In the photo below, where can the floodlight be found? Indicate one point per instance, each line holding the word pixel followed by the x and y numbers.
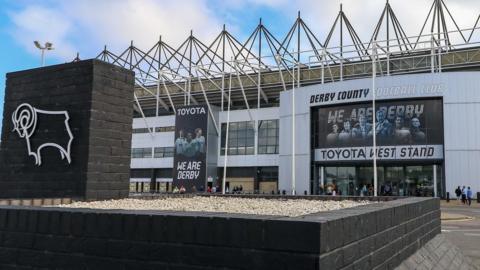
pixel 48 46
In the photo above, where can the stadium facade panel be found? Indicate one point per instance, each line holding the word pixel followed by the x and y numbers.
pixel 426 126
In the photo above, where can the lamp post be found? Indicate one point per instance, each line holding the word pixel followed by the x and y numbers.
pixel 374 77
pixel 46 47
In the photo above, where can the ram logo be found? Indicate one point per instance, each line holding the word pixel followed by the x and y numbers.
pixel 25 119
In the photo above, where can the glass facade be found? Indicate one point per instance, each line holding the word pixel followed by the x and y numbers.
pixel 267 174
pixel 141 152
pixel 158 152
pixel 340 179
pixel 414 180
pixel 150 180
pixel 241 138
pixel 139 130
pixel 165 129
pixel 268 137
pixel 157 129
pixel 163 152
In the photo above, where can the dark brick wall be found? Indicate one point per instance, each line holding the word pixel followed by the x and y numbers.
pixel 98 99
pixel 377 236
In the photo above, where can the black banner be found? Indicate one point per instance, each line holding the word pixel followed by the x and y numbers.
pixel 189 165
pixel 403 122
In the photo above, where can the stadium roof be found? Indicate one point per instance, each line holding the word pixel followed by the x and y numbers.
pixel 258 69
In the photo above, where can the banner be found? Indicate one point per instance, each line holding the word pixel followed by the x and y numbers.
pixel 189 167
pixel 383 153
pixel 413 129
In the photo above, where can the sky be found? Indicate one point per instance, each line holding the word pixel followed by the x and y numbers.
pixel 85 26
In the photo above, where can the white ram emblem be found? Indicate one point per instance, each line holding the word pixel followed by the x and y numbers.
pixel 24 120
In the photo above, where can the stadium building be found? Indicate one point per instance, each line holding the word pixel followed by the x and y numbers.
pixel 301 115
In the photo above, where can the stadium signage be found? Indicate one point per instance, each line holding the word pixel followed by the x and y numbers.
pixel 436 89
pixel 405 129
pixel 339 96
pixel 189 170
pixel 191 111
pixel 382 152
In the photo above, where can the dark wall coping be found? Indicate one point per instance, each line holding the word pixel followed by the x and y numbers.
pixel 59 67
pixel 371 233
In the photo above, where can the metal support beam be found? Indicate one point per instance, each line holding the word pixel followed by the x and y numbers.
pixel 164 105
pixel 208 103
pixel 243 91
pixel 150 130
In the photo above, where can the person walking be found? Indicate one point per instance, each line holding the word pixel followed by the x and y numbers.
pixel 464 195
pixel 458 193
pixel 469 196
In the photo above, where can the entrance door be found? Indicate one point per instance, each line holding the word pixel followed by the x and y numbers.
pixel 340 179
pixel 365 180
pixel 394 184
pixel 346 181
pixel 419 180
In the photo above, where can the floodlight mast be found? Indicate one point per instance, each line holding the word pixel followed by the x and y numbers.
pixel 48 46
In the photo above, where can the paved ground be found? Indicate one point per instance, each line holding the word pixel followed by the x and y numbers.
pixel 465 234
pixel 438 254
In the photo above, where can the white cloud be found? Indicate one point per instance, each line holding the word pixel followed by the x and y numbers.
pixel 364 14
pixel 87 25
pixel 39 23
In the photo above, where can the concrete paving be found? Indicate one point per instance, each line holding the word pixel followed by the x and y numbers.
pixel 461 226
pixel 438 254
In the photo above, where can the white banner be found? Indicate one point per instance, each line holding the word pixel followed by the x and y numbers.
pixel 395 152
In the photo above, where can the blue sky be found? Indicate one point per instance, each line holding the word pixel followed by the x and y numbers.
pixel 84 26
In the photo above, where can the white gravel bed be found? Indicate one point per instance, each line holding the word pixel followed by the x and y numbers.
pixel 258 206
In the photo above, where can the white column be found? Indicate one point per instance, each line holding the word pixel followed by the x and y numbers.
pixel 225 160
pixel 322 177
pixel 435 193
pixel 374 75
pixel 293 131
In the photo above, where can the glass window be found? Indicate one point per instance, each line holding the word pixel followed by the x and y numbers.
pixel 165 129
pixel 267 173
pixel 163 152
pixel 140 130
pixel 157 129
pixel 241 138
pixel 393 183
pixel 141 152
pixel 365 180
pixel 268 137
pixel 419 180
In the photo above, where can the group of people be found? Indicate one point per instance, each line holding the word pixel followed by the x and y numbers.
pixel 210 189
pixel 180 190
pixel 464 194
pixel 400 133
pixel 214 189
pixel 385 189
pixel 189 146
pixel 334 190
pixel 217 188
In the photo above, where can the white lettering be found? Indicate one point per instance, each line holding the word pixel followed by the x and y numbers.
pixel 191 111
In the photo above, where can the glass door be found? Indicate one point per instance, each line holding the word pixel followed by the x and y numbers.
pixel 365 180
pixel 346 181
pixel 393 184
pixel 340 179
pixel 420 180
